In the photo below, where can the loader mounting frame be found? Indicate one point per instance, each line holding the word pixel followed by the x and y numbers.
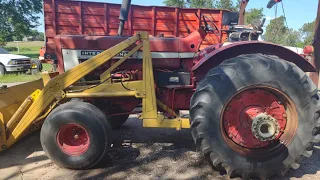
pixel 59 88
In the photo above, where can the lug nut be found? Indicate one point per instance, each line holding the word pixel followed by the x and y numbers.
pixel 76 136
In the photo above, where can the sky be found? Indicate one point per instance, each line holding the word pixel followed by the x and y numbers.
pixel 298 12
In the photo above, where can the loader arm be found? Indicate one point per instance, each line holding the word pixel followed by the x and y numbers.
pixel 54 90
pixel 65 86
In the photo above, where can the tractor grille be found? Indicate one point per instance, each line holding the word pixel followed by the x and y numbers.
pixel 25 61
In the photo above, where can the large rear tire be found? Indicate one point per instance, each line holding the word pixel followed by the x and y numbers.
pixel 231 97
pixel 76 135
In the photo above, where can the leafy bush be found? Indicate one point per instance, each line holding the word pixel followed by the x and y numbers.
pixel 11 48
pixel 25 49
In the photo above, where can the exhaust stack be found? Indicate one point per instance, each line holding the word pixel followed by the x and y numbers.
pixel 123 17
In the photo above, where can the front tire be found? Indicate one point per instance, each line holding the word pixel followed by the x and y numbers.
pixel 2 70
pixel 247 84
pixel 76 135
pixel 38 68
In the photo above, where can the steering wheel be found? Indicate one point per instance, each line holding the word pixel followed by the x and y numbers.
pixel 212 27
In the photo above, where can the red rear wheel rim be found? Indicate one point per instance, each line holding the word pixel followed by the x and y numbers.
pixel 241 110
pixel 73 139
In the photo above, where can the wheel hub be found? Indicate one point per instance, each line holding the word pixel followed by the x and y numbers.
pixel 254 118
pixel 265 127
pixel 73 139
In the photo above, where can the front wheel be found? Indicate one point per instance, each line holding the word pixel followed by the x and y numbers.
pixel 76 135
pixel 36 67
pixel 255 116
pixel 2 70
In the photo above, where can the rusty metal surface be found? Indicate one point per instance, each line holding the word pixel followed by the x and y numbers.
pixel 242 10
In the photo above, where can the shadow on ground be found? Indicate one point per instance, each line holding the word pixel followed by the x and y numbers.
pixel 137 153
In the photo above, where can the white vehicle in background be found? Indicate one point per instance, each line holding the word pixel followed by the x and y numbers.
pixel 17 63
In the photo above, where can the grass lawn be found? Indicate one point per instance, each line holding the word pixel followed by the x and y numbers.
pixel 29 49
pixel 31 54
pixel 26 44
pixel 11 78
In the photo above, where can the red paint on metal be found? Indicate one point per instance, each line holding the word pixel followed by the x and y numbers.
pixel 176 21
pixel 243 108
pixel 308 49
pixel 179 101
pixel 80 18
pixel 73 139
pixel 248 47
pixel 64 17
pixel 153 29
pixel 105 25
pixel 156 44
pixel 129 23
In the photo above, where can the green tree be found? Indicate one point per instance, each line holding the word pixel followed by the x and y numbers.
pixel 278 33
pixel 175 3
pixel 253 14
pixel 40 36
pixel 276 30
pixel 226 4
pixel 201 3
pixel 292 38
pixel 307 32
pixel 18 18
pixel 219 4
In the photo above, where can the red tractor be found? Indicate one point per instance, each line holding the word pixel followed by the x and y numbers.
pixel 253 110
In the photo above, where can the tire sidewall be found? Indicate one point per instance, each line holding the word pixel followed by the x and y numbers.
pixel 276 74
pixel 39 67
pixel 94 129
pixel 2 70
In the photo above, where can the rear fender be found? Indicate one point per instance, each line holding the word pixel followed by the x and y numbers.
pixel 219 55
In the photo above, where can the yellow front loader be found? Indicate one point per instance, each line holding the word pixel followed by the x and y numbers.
pixel 253 113
pixel 24 107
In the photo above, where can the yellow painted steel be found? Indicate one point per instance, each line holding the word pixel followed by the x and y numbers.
pixel 102 94
pixel 104 76
pixel 12 97
pixel 3 139
pixel 47 76
pixel 19 113
pixel 166 108
pixel 177 123
pixel 149 104
pixel 67 85
pixel 109 88
pixel 54 89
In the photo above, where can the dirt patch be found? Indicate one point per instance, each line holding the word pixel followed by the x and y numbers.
pixel 137 153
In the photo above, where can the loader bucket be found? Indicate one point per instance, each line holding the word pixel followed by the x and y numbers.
pixel 12 97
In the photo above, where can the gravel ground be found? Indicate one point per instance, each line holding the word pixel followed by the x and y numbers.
pixel 137 153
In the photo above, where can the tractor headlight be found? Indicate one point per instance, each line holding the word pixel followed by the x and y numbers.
pixel 12 62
